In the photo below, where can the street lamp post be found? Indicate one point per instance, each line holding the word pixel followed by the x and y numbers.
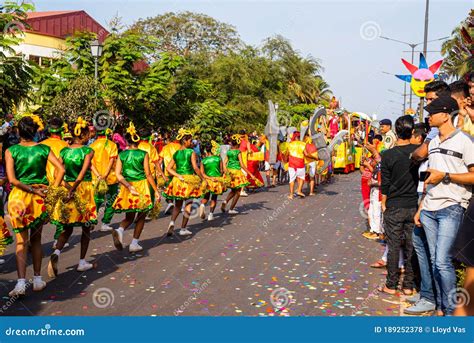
pixel 96 52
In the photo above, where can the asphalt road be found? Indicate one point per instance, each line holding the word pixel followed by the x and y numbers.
pixel 304 257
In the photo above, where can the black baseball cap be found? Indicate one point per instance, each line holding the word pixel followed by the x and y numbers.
pixel 443 104
pixel 385 122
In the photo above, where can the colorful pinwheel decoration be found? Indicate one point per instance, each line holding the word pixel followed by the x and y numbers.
pixel 421 75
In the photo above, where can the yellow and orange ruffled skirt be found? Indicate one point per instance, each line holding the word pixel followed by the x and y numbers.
pixel 238 179
pixel 126 202
pixel 216 186
pixel 26 210
pixel 191 187
pixel 79 211
pixel 5 236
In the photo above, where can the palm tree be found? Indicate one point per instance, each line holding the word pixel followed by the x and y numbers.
pixel 459 50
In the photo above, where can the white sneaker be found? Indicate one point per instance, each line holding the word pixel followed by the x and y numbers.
pixel 117 236
pixel 82 267
pixel 170 229
pixel 243 193
pixel 168 207
pixel 2 261
pixel 202 211
pixel 19 290
pixel 38 285
pixel 185 232
pixel 233 212
pixel 135 247
pixel 105 228
pixel 210 216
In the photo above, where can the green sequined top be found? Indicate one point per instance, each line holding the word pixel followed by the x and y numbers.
pixel 212 166
pixel 73 159
pixel 30 163
pixel 233 159
pixel 132 164
pixel 182 158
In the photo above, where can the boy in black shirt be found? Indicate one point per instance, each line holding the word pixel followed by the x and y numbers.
pixel 399 204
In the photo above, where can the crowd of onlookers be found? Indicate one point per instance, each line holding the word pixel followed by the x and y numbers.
pixel 417 185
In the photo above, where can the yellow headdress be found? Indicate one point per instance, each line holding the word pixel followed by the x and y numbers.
pixel 237 138
pixel 183 132
pixel 215 147
pixel 133 132
pixel 37 120
pixel 81 124
pixel 108 131
pixel 65 128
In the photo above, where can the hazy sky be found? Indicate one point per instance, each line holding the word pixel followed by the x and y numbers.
pixel 343 34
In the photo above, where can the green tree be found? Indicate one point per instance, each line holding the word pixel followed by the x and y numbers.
pixel 187 32
pixel 16 74
pixel 458 51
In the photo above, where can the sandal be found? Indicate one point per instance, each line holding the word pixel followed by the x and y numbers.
pixel 378 264
pixel 387 290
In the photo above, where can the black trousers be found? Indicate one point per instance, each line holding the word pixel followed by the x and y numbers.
pixel 398 226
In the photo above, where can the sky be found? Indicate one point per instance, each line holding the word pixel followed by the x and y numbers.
pixel 343 34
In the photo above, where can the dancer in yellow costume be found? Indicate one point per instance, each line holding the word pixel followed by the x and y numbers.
pixel 137 190
pixel 26 171
pixel 166 156
pixel 79 208
pixel 103 168
pixel 233 165
pixel 56 128
pixel 186 183
pixel 145 145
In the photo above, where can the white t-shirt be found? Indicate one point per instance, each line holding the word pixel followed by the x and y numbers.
pixel 454 155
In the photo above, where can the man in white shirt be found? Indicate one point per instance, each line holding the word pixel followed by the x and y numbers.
pixel 442 209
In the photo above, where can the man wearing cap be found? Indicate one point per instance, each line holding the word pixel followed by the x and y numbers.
pixel 447 195
pixel 297 151
pixel 389 137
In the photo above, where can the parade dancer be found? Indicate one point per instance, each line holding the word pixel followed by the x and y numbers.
pixel 26 171
pixel 56 127
pixel 212 169
pixel 297 151
pixel 186 183
pixel 233 166
pixel 135 197
pixel 103 169
pixel 79 205
pixel 166 156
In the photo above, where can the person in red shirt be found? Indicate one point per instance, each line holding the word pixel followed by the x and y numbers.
pixel 297 151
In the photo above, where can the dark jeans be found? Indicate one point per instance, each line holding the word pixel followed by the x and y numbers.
pixel 399 225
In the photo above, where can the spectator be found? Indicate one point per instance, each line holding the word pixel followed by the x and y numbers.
pixel 425 300
pixel 399 204
pixel 441 211
pixel 389 137
pixel 433 90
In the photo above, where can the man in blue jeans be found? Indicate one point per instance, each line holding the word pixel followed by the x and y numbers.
pixel 425 300
pixel 442 209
